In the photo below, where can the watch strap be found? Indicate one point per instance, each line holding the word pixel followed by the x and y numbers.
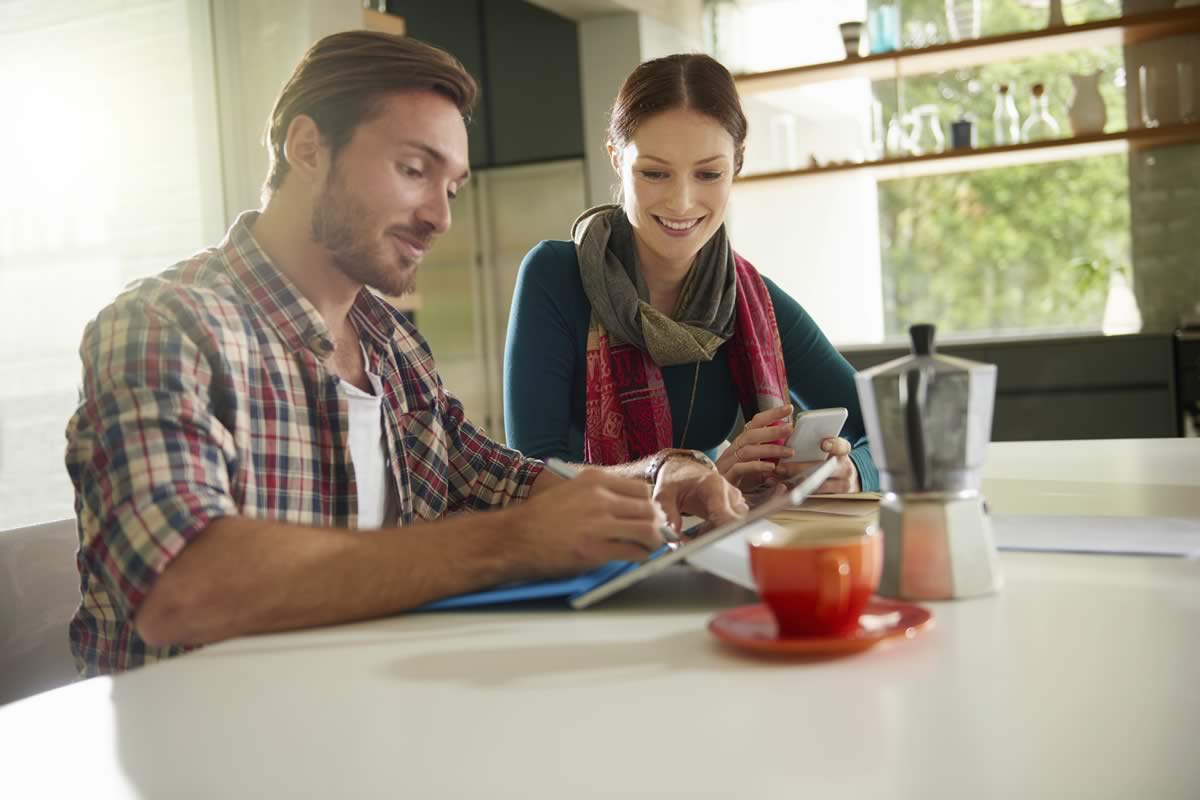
pixel 663 456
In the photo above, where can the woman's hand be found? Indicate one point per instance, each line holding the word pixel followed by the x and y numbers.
pixel 751 458
pixel 844 479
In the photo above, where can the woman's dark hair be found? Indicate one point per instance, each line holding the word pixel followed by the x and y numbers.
pixel 686 80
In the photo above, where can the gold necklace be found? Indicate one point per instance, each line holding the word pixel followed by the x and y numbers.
pixel 691 403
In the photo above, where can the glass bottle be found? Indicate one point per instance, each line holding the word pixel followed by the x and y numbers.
pixel 896 139
pixel 1039 125
pixel 1006 121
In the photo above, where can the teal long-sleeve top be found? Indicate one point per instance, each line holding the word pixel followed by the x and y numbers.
pixel 545 390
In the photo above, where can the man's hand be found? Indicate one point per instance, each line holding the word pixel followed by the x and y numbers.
pixel 582 523
pixel 687 487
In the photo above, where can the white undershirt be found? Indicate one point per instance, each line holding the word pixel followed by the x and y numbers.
pixel 367 449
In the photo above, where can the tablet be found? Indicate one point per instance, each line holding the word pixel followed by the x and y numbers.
pixel 697 538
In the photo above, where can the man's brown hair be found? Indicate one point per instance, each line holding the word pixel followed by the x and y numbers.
pixel 341 78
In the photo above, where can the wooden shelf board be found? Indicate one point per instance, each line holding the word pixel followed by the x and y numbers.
pixel 1006 156
pixel 384 23
pixel 978 52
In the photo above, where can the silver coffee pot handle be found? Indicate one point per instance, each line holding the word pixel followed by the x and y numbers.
pixel 917 386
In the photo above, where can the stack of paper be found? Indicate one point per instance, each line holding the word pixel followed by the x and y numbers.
pixel 1095 517
pixel 1157 536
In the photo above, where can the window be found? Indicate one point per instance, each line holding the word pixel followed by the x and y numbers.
pixel 111 174
pixel 1019 249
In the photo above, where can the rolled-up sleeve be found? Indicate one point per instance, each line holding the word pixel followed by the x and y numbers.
pixel 483 474
pixel 149 459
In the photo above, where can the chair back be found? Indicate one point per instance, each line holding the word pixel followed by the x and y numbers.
pixel 39 592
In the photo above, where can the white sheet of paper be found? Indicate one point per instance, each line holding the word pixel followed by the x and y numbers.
pixel 730 557
pixel 1163 536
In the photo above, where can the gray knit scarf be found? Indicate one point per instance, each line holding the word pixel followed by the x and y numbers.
pixel 612 279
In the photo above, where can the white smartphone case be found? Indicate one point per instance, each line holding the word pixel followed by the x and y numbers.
pixel 813 427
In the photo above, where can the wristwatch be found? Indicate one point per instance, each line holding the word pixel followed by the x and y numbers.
pixel 665 455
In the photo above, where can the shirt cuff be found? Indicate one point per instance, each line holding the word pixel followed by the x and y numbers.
pixel 135 544
pixel 868 476
pixel 527 473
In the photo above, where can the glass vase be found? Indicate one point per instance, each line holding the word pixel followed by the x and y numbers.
pixel 926 135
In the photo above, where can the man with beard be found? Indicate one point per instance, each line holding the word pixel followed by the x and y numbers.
pixel 247 411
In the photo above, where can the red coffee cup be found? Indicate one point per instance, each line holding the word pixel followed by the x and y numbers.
pixel 816 576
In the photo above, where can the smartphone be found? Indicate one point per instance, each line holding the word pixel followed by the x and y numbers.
pixel 810 428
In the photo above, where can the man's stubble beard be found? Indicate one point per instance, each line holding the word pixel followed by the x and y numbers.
pixel 341 226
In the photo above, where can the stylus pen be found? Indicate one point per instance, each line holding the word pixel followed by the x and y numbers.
pixel 567 472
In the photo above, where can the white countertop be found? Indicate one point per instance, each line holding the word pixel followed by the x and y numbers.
pixel 1077 680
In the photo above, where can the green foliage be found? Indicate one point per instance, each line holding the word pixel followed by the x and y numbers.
pixel 1016 248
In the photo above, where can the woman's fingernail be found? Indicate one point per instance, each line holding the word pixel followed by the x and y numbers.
pixel 826 446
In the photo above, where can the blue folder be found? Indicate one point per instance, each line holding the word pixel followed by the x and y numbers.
pixel 566 588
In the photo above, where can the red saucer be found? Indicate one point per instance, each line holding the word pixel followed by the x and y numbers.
pixel 753 628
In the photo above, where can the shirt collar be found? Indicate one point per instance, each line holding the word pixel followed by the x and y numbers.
pixel 294 318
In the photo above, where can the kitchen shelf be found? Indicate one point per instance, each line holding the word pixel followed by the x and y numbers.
pixel 384 23
pixel 1005 156
pixel 1117 31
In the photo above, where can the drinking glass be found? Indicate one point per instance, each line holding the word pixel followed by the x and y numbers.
pixel 1147 89
pixel 963 19
pixel 883 28
pixel 785 142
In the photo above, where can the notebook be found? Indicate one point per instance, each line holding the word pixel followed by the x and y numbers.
pixel 591 587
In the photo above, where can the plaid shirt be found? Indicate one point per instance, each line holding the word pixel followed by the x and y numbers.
pixel 206 393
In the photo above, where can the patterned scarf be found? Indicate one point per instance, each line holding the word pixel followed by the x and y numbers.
pixel 628 414
pixel 612 279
